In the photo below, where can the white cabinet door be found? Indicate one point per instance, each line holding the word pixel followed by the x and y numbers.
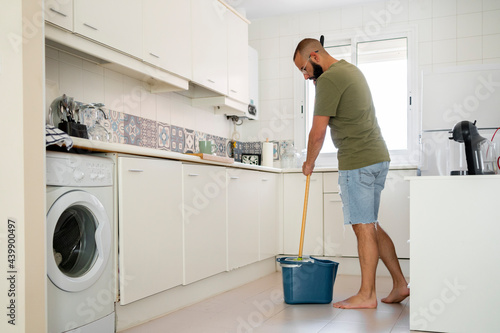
pixel 150 226
pixel 237 62
pixel 210 44
pixel 243 217
pixel 167 35
pixel 60 13
pixel 204 206
pixel 338 240
pixel 394 213
pixel 268 220
pixel 115 24
pixel 294 193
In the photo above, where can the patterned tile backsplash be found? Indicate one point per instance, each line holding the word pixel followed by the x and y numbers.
pixel 133 130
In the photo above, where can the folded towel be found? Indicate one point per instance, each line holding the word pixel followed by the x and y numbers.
pixel 54 136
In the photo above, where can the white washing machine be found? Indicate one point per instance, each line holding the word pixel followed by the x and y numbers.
pixel 80 244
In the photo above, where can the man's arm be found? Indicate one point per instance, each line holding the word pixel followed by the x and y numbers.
pixel 316 138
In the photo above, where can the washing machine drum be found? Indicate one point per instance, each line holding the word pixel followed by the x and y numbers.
pixel 78 241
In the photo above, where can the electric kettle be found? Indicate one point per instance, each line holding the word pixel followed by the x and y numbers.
pixel 479 151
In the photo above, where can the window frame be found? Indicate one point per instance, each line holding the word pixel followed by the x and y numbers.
pixel 409 156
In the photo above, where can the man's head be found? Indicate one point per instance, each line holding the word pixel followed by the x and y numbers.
pixel 311 58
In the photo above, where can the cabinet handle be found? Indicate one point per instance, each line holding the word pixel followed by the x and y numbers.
pixel 154 55
pixel 57 12
pixel 193 174
pixel 234 91
pixel 265 179
pixel 135 170
pixel 234 177
pixel 211 81
pixel 91 27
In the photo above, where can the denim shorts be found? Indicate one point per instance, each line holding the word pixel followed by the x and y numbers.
pixel 360 191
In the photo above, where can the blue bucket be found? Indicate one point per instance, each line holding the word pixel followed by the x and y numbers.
pixel 309 280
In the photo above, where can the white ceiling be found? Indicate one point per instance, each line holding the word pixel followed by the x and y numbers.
pixel 256 9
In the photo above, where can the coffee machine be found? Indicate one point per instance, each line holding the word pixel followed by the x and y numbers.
pixel 479 151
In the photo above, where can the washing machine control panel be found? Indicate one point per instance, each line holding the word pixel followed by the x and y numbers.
pixel 78 170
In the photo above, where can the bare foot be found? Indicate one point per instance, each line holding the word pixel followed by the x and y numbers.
pixel 357 302
pixel 397 295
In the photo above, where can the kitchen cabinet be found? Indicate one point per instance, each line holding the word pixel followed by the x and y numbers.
pixel 394 213
pixel 150 226
pixel 237 58
pixel 293 201
pixel 167 35
pixel 60 13
pixel 268 214
pixel 204 211
pixel 339 241
pixel 209 40
pixel 454 253
pixel 117 25
pixel 243 217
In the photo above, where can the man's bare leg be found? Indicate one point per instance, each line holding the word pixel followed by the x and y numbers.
pixel 366 297
pixel 388 255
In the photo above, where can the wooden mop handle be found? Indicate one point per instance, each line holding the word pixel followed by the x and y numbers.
pixel 304 213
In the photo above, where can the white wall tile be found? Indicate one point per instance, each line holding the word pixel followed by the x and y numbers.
pixel 400 10
pixel 469 49
pixel 268 109
pixel 286 88
pixel 132 94
pixel 352 17
pixel 491 22
pixel 444 28
pixel 491 46
pixel 92 67
pixel 444 8
pixel 330 20
pixel 113 91
pixel 469 6
pixel 287 67
pixel 424 30
pixel 269 69
pixel 309 23
pixel 269 48
pixel 491 4
pixel 70 59
pixel 289 25
pixel 51 53
pixel 93 87
pixel 269 28
pixel 163 108
pixel 287 47
pixel 376 12
pixel 71 80
pixel 444 51
pixel 148 103
pixel 268 89
pixel 425 53
pixel 52 69
pixel 469 25
pixel 420 9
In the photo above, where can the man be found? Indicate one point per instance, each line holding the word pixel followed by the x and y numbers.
pixel 344 103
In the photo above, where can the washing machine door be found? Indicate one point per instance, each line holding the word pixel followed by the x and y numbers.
pixel 78 241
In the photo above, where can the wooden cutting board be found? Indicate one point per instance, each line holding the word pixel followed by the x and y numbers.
pixel 214 158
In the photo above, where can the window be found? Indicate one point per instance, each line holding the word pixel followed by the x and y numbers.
pixel 384 62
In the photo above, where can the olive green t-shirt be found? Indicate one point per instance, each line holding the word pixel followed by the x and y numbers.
pixel 342 93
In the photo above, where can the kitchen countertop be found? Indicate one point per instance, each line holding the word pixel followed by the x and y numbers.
pixel 110 147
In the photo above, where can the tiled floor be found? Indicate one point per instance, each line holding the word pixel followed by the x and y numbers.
pixel 258 307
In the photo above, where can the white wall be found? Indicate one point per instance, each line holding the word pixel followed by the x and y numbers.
pixel 450 33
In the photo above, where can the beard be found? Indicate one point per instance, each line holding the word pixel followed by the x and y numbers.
pixel 317 71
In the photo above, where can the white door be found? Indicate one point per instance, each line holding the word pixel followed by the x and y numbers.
pixel 78 241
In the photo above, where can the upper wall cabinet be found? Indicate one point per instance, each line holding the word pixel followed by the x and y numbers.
pixel 237 62
pixel 60 14
pixel 118 25
pixel 210 44
pixel 167 35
